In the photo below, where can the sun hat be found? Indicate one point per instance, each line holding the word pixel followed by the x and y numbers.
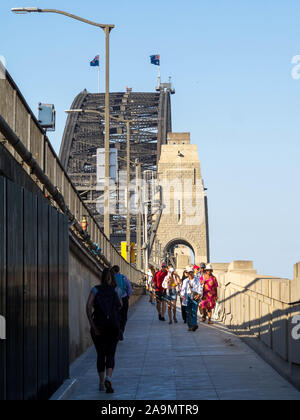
pixel 189 269
pixel 209 267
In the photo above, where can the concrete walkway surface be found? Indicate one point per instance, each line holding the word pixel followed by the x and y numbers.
pixel 158 361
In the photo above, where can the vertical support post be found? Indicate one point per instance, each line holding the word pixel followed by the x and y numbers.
pixel 55 173
pixel 15 293
pixel 28 132
pixel 146 236
pixel 30 309
pixel 3 289
pixel 14 122
pixel 43 299
pixel 128 192
pixel 139 216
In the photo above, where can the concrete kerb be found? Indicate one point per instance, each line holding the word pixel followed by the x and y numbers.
pixel 65 391
pixel 70 385
pixel 77 369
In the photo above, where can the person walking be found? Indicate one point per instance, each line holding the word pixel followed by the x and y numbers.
pixel 201 271
pixel 103 312
pixel 196 270
pixel 183 302
pixel 191 292
pixel 210 294
pixel 171 282
pixel 159 291
pixel 150 277
pixel 126 288
pixel 200 274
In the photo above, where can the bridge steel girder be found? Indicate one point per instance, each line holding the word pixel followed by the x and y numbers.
pixel 84 133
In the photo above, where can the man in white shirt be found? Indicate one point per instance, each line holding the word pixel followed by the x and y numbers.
pixel 150 276
pixel 191 294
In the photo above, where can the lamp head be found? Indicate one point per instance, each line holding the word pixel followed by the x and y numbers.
pixel 21 10
pixel 71 111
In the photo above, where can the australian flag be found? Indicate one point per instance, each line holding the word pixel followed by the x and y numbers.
pixel 155 59
pixel 95 62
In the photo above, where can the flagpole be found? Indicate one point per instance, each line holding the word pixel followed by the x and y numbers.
pixel 99 76
pixel 159 78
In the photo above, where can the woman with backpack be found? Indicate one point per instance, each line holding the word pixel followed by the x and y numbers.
pixel 103 311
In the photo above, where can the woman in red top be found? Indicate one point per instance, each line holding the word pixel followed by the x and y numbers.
pixel 159 291
pixel 210 293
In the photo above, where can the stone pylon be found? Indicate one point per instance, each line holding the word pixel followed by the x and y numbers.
pixel 184 220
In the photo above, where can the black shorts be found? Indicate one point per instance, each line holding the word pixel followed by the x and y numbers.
pixel 160 296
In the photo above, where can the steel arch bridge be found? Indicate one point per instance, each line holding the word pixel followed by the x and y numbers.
pixel 84 134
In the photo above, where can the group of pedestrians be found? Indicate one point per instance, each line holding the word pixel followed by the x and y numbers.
pixel 198 288
pixel 108 303
pixel 107 309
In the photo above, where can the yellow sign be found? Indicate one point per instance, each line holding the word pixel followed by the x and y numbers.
pixel 124 250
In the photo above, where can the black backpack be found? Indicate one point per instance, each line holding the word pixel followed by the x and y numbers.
pixel 106 308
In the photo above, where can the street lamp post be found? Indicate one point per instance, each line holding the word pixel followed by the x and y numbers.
pixel 146 246
pixel 128 239
pixel 139 215
pixel 106 28
pixel 128 122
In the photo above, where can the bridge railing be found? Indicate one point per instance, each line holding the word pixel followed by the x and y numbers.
pixel 20 118
pixel 264 311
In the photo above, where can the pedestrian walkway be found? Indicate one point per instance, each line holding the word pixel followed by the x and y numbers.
pixel 158 361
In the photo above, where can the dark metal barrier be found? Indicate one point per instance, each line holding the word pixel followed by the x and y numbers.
pixel 34 249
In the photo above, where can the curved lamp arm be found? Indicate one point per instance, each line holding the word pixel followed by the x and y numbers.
pixel 93 111
pixel 61 12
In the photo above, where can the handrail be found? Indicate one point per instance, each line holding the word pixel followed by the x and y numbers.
pixel 36 170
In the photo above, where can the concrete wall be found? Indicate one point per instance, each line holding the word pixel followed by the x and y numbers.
pixel 83 275
pixel 83 271
pixel 259 309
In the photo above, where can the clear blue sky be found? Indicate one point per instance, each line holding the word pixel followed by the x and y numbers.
pixel 230 61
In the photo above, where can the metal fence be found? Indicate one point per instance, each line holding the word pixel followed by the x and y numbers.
pixel 17 114
pixel 34 253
